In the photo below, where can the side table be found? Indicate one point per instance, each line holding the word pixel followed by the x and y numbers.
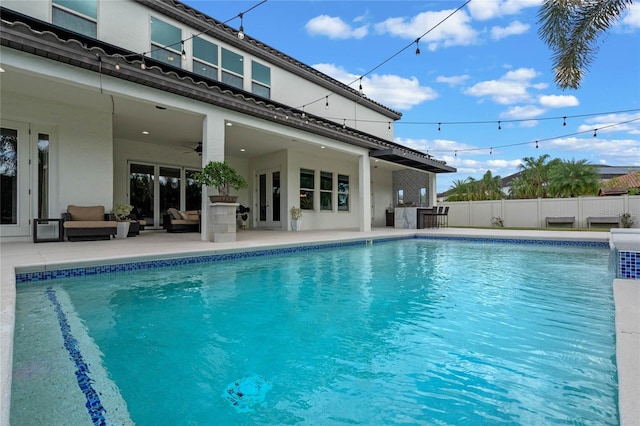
pixel 48 228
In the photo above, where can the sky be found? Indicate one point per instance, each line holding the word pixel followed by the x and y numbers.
pixel 483 73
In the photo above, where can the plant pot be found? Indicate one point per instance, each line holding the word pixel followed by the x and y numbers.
pixel 223 198
pixel 123 230
pixel 296 224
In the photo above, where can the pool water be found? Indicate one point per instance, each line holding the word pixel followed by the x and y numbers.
pixel 411 332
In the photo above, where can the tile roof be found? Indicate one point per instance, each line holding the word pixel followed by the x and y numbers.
pixel 630 180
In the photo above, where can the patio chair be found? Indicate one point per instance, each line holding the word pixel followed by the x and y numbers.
pixel 443 217
pixel 88 223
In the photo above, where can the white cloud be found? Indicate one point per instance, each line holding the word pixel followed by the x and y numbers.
pixel 604 151
pixel 391 90
pixel 509 89
pixel 334 28
pixel 522 112
pixel 454 80
pixel 489 9
pixel 514 28
pixel 455 31
pixel 611 123
pixel 435 146
pixel 631 20
pixel 558 101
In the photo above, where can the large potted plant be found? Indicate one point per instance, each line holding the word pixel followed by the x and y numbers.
pixel 223 177
pixel 122 212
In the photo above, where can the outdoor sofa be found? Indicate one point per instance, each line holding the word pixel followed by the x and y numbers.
pixel 181 221
pixel 88 223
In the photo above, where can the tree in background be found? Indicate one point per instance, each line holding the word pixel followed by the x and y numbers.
pixel 572 179
pixel 571 29
pixel 533 180
pixel 470 189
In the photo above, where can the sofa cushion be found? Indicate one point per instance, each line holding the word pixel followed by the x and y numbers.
pixel 174 213
pixel 90 213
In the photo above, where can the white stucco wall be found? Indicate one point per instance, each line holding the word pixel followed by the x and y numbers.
pixel 127 23
pixel 81 146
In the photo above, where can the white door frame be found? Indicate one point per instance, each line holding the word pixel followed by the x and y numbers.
pixel 23 208
pixel 265 219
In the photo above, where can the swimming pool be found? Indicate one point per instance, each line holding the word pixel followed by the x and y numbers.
pixel 416 331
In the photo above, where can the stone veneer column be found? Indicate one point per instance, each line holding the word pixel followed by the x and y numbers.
pixel 222 222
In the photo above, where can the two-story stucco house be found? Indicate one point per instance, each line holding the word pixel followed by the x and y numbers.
pixel 109 102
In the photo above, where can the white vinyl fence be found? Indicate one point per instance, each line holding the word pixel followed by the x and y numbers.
pixel 533 213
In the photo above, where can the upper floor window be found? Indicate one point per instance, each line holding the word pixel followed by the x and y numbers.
pixel 165 42
pixel 205 58
pixel 80 16
pixel 232 69
pixel 260 80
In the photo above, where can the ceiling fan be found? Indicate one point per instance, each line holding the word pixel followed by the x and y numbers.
pixel 197 149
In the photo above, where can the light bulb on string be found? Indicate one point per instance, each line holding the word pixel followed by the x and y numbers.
pixel 142 64
pixel 241 31
pixel 389 127
pixel 536 144
pixel 344 123
pixel 455 153
pixel 491 151
pixel 564 121
pixel 117 64
pixel 184 53
pixel 418 46
pixel 499 127
pixel 360 88
pixel 595 132
pixel 326 102
pixel 439 126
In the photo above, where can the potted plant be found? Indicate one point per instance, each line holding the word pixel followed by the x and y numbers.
pixel 122 212
pixel 296 218
pixel 220 175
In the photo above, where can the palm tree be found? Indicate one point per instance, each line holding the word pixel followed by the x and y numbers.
pixel 533 180
pixel 572 179
pixel 459 190
pixel 489 187
pixel 571 29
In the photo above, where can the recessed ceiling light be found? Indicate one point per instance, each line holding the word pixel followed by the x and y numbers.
pixel 229 124
pixel 144 132
pixel 1 69
pixel 242 150
pixel 322 147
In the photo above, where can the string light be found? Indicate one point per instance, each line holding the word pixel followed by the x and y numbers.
pixel 499 127
pixel 438 126
pixel 564 121
pixel 360 88
pixel 117 64
pixel 595 132
pixel 536 144
pixel 241 32
pixel 142 64
pixel 326 102
pixel 389 128
pixel 418 46
pixel 541 140
pixel 184 53
pixel 344 124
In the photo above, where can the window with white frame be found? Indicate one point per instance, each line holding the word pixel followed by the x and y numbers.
pixel 260 80
pixel 205 58
pixel 232 69
pixel 343 193
pixel 166 42
pixel 326 191
pixel 307 188
pixel 80 16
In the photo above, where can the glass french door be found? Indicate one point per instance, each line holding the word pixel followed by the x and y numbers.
pixel 14 179
pixel 154 188
pixel 269 208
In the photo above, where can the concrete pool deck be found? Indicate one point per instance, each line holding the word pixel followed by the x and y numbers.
pixel 25 256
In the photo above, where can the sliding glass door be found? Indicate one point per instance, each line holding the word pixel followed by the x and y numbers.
pixel 155 188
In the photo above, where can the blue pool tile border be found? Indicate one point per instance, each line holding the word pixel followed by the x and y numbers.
pixel 629 264
pixel 93 404
pixel 29 277
pixel 594 244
